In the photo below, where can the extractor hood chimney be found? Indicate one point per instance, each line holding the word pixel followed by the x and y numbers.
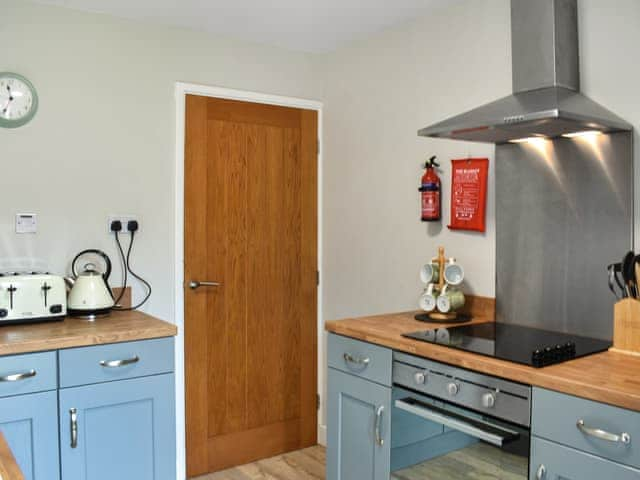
pixel 546 99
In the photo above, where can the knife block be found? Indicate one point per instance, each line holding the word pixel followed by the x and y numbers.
pixel 626 326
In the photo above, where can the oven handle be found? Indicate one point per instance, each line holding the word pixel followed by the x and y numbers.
pixel 489 432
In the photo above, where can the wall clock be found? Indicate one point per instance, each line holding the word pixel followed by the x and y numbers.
pixel 18 100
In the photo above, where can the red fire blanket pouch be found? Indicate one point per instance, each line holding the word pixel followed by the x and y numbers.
pixel 469 194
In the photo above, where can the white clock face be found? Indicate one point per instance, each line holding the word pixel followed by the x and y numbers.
pixel 18 100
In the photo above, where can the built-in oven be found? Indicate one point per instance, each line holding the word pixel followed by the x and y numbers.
pixel 454 424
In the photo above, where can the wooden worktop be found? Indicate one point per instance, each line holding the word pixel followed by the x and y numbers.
pixel 608 377
pixel 9 469
pixel 76 332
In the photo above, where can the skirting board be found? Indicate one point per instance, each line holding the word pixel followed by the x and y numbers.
pixel 322 435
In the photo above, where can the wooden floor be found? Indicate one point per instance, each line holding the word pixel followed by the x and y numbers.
pixel 476 462
pixel 307 464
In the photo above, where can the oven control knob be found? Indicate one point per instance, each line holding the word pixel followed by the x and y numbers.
pixel 488 400
pixel 453 388
pixel 420 378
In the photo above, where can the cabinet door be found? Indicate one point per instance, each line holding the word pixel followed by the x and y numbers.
pixel 359 428
pixel 550 461
pixel 29 423
pixel 123 429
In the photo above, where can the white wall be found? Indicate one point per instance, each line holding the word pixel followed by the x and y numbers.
pixel 103 139
pixel 610 72
pixel 379 92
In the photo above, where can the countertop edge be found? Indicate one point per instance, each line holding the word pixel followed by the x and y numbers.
pixel 73 332
pixel 548 377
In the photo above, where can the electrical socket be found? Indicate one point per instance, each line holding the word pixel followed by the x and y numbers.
pixel 124 219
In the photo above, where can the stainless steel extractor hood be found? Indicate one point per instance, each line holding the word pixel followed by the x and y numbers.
pixel 546 99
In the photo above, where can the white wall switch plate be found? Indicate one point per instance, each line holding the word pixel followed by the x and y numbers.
pixel 26 223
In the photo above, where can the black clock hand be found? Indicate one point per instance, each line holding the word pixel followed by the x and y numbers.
pixel 6 107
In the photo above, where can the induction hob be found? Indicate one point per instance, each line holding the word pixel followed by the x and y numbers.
pixel 515 343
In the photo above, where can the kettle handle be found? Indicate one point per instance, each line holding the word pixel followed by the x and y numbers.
pixel 100 253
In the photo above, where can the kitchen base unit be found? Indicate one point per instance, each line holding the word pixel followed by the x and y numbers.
pixel 118 430
pixel 395 415
pixel 358 435
pixel 99 412
pixel 29 424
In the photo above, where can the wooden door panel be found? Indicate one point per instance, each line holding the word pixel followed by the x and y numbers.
pixel 226 263
pixel 251 225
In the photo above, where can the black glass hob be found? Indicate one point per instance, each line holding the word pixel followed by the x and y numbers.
pixel 515 343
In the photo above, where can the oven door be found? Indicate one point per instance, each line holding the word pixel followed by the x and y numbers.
pixel 471 446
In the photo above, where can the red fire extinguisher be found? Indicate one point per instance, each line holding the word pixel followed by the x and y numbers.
pixel 430 190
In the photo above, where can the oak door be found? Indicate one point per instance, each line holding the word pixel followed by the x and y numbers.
pixel 251 229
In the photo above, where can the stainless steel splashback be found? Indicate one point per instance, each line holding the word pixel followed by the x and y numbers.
pixel 564 211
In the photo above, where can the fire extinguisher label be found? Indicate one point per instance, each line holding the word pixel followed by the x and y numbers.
pixel 430 201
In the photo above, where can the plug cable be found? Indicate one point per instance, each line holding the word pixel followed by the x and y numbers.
pixel 135 275
pixel 124 271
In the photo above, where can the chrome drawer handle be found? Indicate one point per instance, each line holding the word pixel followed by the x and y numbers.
pixel 378 427
pixel 119 363
pixel 73 414
pixel 624 438
pixel 541 472
pixel 362 362
pixel 16 377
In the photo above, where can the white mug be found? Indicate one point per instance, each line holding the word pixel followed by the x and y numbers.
pixel 430 272
pixel 453 272
pixel 428 300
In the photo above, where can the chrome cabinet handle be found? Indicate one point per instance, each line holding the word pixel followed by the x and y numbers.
pixel 362 362
pixel 16 377
pixel 193 284
pixel 541 472
pixel 624 438
pixel 119 363
pixel 378 426
pixel 73 413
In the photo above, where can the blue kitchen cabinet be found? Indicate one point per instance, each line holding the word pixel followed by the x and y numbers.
pixel 359 428
pixel 119 430
pixel 29 423
pixel 552 461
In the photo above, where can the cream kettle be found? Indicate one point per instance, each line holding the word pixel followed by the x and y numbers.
pixel 90 295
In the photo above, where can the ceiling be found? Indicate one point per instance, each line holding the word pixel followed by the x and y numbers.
pixel 314 26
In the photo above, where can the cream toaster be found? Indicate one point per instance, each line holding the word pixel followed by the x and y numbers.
pixel 31 297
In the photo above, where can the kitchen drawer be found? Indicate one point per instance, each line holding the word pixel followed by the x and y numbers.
pixel 555 418
pixel 360 358
pixel 564 463
pixel 116 361
pixel 28 373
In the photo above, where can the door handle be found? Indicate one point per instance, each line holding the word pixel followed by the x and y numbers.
pixel 73 414
pixel 194 284
pixel 541 472
pixel 378 427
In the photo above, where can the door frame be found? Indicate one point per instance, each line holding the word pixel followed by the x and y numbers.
pixel 181 91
